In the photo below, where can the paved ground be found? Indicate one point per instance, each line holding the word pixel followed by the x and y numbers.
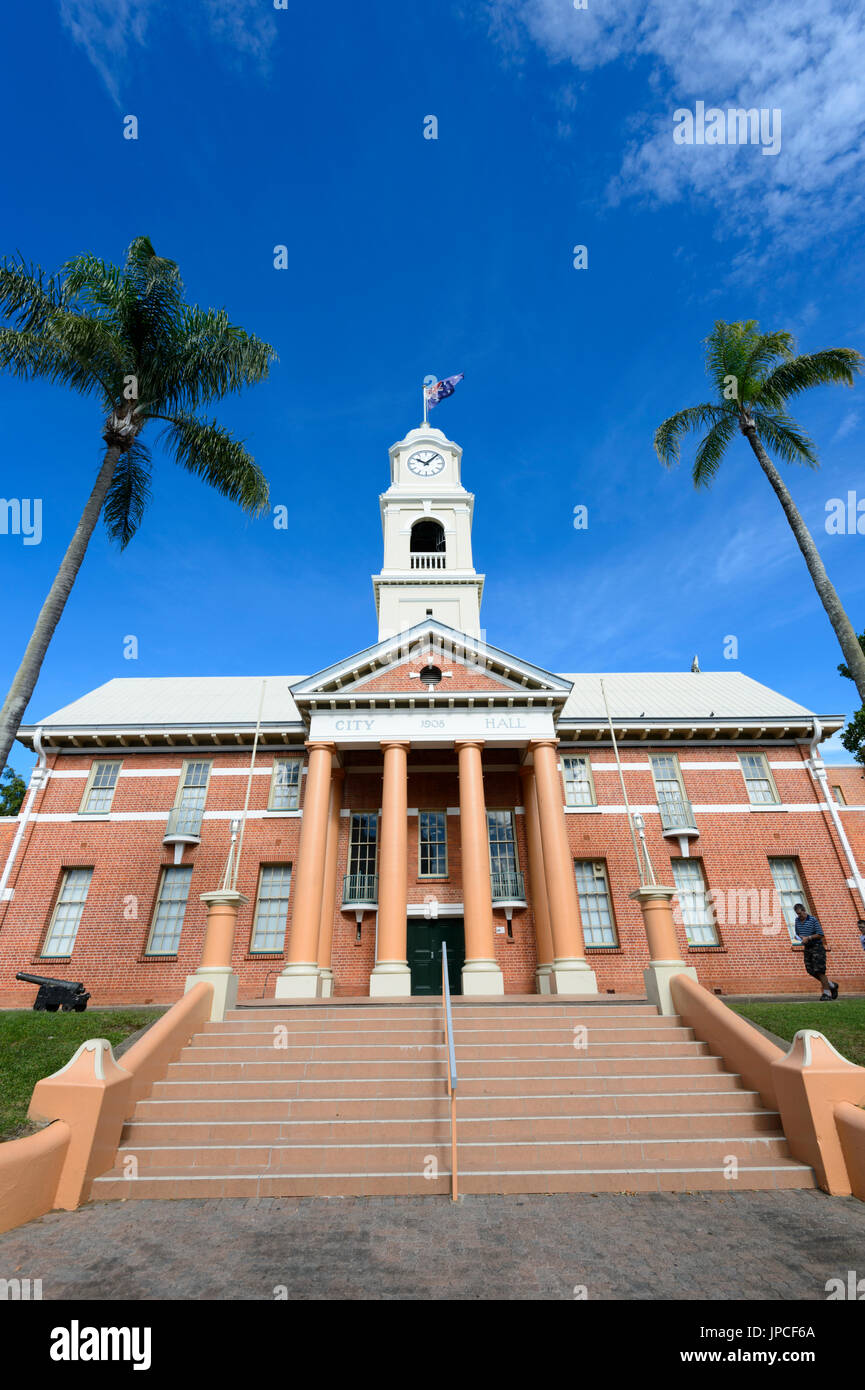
pixel 753 1245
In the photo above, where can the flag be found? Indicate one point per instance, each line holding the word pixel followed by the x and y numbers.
pixel 442 389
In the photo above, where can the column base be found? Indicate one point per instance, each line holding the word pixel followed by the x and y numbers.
pixel 224 982
pixel 390 980
pixel 326 983
pixel 657 977
pixel 572 977
pixel 482 977
pixel 542 979
pixel 299 981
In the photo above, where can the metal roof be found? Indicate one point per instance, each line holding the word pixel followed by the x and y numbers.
pixel 138 705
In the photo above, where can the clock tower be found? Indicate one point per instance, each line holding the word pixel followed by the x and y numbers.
pixel 426 519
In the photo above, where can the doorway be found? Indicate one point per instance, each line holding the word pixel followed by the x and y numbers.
pixel 424 941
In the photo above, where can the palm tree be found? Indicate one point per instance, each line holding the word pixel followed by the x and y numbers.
pixel 755 374
pixel 128 337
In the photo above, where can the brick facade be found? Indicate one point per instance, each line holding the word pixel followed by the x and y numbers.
pixel 126 851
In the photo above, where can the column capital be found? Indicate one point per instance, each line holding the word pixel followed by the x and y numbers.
pixel 543 743
pixel 313 743
pixel 394 743
pixel 469 743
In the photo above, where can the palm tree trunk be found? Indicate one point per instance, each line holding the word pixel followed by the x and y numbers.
pixel 21 690
pixel 847 639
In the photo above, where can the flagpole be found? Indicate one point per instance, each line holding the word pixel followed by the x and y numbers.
pixel 425 398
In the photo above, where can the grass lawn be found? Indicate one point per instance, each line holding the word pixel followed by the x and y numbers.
pixel 842 1022
pixel 35 1045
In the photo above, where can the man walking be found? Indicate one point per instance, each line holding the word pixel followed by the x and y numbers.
pixel 810 933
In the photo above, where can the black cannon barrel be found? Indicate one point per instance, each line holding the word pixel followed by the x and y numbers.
pixel 75 985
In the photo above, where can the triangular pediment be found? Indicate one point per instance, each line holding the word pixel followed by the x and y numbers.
pixel 392 668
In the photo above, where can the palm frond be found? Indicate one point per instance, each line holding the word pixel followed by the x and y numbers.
pixel 31 355
pixel 784 437
pixel 827 367
pixel 208 450
pixel 28 296
pixel 128 494
pixel 709 455
pixel 211 358
pixel 669 434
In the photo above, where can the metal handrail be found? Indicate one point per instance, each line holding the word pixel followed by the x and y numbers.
pixel 676 813
pixel 452 1069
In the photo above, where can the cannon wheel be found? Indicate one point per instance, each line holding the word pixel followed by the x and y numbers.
pixel 80 1008
pixel 52 1008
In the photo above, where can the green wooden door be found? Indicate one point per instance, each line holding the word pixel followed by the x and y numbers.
pixel 424 946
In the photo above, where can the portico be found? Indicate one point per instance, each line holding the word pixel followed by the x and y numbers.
pixel 475 707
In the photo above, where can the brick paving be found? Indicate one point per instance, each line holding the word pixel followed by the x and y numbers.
pixel 751 1245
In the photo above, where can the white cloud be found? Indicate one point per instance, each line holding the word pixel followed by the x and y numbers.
pixel 109 30
pixel 847 425
pixel 807 60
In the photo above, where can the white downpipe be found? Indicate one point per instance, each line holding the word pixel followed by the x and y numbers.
pixel 37 781
pixel 818 770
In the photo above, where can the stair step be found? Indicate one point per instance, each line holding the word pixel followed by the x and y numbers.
pixel 339 1128
pixel 238 1110
pixel 650 1178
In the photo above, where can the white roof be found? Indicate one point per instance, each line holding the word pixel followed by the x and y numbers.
pixel 677 695
pixel 231 701
pixel 187 701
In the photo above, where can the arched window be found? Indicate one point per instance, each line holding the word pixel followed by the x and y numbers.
pixel 427 537
pixel 427 545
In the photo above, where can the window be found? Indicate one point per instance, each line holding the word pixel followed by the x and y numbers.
pixel 503 848
pixel 99 792
pixel 788 886
pixel 668 781
pixel 758 780
pixel 696 913
pixel 839 796
pixel 596 909
pixel 432 844
pixel 271 908
pixel 579 787
pixel 67 912
pixel 170 909
pixel 285 785
pixel 363 843
pixel 191 796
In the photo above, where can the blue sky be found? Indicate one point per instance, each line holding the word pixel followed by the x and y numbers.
pixel 305 127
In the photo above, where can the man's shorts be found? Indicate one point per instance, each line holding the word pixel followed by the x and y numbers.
pixel 815 957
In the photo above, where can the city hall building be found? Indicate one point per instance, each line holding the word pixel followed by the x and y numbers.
pixel 429 790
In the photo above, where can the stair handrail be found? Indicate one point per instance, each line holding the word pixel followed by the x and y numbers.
pixel 452 1070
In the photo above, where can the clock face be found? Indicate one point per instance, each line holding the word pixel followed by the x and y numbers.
pixel 426 463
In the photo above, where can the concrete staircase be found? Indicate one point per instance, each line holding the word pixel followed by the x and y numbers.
pixel 343 1099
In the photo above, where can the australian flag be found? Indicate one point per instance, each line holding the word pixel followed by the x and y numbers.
pixel 443 389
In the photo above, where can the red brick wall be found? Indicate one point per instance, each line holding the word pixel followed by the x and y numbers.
pixel 127 856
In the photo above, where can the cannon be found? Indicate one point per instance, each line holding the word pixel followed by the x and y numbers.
pixel 68 995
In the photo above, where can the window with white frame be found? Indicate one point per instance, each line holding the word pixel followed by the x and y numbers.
pixel 171 899
pixel 363 843
pixel 697 916
pixel 596 908
pixel 503 845
pixel 271 908
pixel 192 795
pixel 788 886
pixel 669 788
pixel 66 916
pixel 758 779
pixel 285 784
pixel 99 792
pixel 579 787
pixel 432 844
pixel 839 796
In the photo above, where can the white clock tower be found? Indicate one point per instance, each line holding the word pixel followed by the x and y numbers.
pixel 426 519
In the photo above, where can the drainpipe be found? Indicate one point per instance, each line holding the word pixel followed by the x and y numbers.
pixel 818 771
pixel 37 781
